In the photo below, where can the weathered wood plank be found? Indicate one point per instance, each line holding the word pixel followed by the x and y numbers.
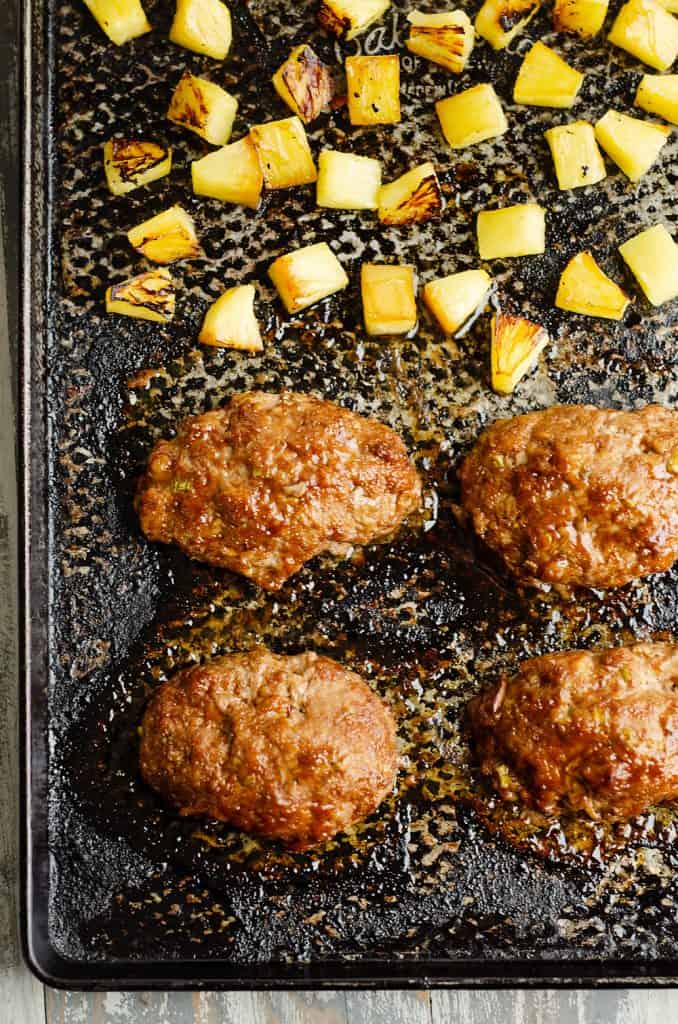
pixel 389 1007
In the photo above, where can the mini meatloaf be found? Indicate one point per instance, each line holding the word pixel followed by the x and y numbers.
pixel 577 496
pixel 270 481
pixel 294 748
pixel 581 731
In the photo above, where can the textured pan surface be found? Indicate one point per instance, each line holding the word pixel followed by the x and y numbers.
pixel 439 872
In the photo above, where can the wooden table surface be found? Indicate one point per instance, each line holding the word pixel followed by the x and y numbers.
pixel 23 1000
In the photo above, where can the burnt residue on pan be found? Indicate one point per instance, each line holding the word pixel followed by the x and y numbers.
pixel 443 870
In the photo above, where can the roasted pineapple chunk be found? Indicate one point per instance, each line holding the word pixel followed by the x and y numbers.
pixel 516 346
pixel 389 304
pixel 471 116
pixel 455 298
pixel 284 153
pixel 148 296
pixel 633 144
pixel 121 20
pixel 373 89
pixel 230 321
pixel 582 17
pixel 203 108
pixel 446 39
pixel 652 258
pixel 512 231
pixel 498 21
pixel 167 237
pixel 347 18
pixel 232 174
pixel 576 156
pixel 412 198
pixel 584 288
pixel 304 83
pixel 307 275
pixel 347 181
pixel 131 163
pixel 646 30
pixel 658 94
pixel 546 80
pixel 203 26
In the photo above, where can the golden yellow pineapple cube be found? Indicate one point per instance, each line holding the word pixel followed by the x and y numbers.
pixel 373 89
pixel 347 181
pixel 546 80
pixel 446 38
pixel 203 26
pixel 455 298
pixel 645 29
pixel 389 303
pixel 304 83
pixel 576 156
pixel 633 144
pixel 147 296
pixel 347 18
pixel 131 163
pixel 585 288
pixel 512 231
pixel 284 153
pixel 582 17
pixel 471 116
pixel 516 346
pixel 652 258
pixel 670 5
pixel 305 276
pixel 498 21
pixel 658 94
pixel 203 108
pixel 121 20
pixel 412 198
pixel 167 237
pixel 232 174
pixel 230 321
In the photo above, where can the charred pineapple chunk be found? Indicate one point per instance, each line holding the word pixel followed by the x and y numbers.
pixel 412 198
pixel 306 276
pixel 646 30
pixel 284 153
pixel 454 299
pixel 167 237
pixel 471 116
pixel 131 163
pixel 498 21
pixel 347 18
pixel 652 258
pixel 576 156
pixel 516 346
pixel 583 18
pixel 347 181
pixel 389 303
pixel 585 288
pixel 373 89
pixel 232 174
pixel 518 230
pixel 304 83
pixel 633 144
pixel 658 94
pixel 148 296
pixel 446 39
pixel 121 20
pixel 546 80
pixel 203 26
pixel 230 321
pixel 203 108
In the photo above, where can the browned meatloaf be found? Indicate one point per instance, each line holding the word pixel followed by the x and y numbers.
pixel 295 748
pixel 270 481
pixel 586 732
pixel 576 495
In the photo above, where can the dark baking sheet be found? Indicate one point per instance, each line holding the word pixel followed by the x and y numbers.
pixel 441 886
